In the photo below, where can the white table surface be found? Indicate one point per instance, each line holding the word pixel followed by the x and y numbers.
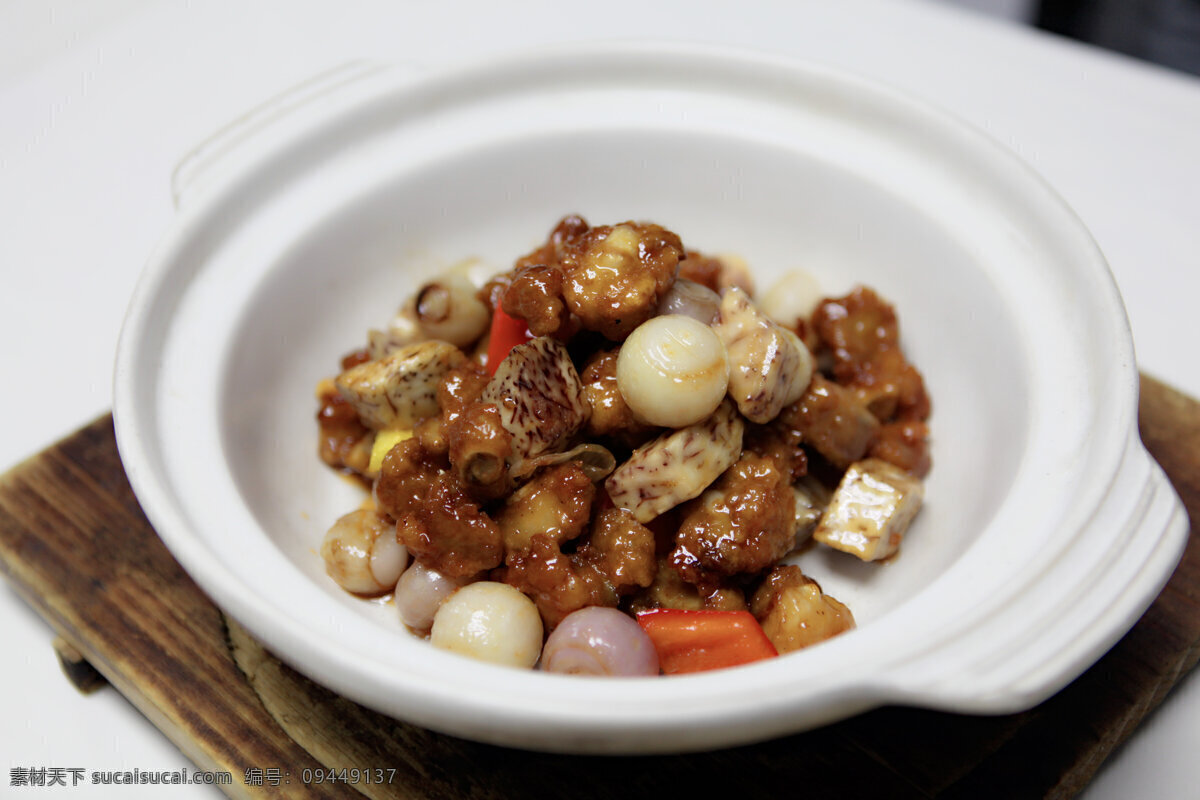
pixel 99 100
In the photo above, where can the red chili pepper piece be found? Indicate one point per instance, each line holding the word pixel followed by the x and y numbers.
pixel 507 332
pixel 694 641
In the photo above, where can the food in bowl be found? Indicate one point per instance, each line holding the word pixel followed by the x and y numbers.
pixel 599 460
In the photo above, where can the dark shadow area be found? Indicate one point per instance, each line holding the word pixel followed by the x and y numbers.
pixel 1165 32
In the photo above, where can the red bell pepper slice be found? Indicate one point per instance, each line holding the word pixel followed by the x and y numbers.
pixel 695 641
pixel 507 332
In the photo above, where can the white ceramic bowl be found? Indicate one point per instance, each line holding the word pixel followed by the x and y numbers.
pixel 1047 529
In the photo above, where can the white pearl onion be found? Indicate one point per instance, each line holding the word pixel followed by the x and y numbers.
pixel 362 554
pixel 672 371
pixel 491 622
pixel 448 309
pixel 793 297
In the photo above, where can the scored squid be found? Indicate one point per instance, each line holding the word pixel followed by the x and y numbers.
pixel 678 465
pixel 539 397
pixel 400 389
pixel 769 367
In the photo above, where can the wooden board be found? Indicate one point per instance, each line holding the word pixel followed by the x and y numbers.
pixel 75 544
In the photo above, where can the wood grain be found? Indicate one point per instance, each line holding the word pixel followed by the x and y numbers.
pixel 75 544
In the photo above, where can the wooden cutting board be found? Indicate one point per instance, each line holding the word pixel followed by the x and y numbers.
pixel 75 545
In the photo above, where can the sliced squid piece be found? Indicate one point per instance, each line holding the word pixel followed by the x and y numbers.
pixel 400 389
pixel 540 399
pixel 769 367
pixel 677 466
pixel 870 510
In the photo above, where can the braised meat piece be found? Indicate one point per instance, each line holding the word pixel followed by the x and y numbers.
pixel 904 443
pixel 459 388
pixel 558 583
pixel 557 504
pixel 406 477
pixel 536 296
pixel 615 275
pixel 669 590
pixel 717 274
pixel 781 443
pixel 344 441
pixel 861 331
pixel 795 613
pixel 741 526
pixel 480 448
pixel 534 289
pixel 831 418
pixel 568 229
pixel 622 548
pixel 449 533
pixel 611 415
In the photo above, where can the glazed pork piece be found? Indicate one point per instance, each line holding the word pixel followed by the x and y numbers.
pixel 741 526
pixel 795 613
pixel 614 442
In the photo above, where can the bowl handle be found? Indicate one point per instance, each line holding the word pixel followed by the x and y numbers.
pixel 1046 638
pixel 201 160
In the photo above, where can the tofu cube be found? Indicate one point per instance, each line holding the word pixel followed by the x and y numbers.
pixel 870 510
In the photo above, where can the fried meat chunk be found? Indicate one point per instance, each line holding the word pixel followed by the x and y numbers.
pixel 795 613
pixel 740 526
pixel 781 443
pixel 449 533
pixel 716 273
pixel 557 504
pixel 623 549
pixel 406 477
pixel 831 418
pixel 669 590
pixel 615 275
pixel 536 296
pixel 558 583
pixel 611 415
pixel 904 443
pixel 344 441
pixel 479 450
pixel 533 290
pixel 567 230
pixel 863 335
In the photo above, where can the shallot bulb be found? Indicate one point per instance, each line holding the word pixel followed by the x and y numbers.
pixel 362 554
pixel 419 593
pixel 672 371
pixel 690 299
pixel 599 641
pixel 489 621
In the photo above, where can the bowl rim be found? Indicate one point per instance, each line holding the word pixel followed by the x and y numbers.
pixel 635 719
